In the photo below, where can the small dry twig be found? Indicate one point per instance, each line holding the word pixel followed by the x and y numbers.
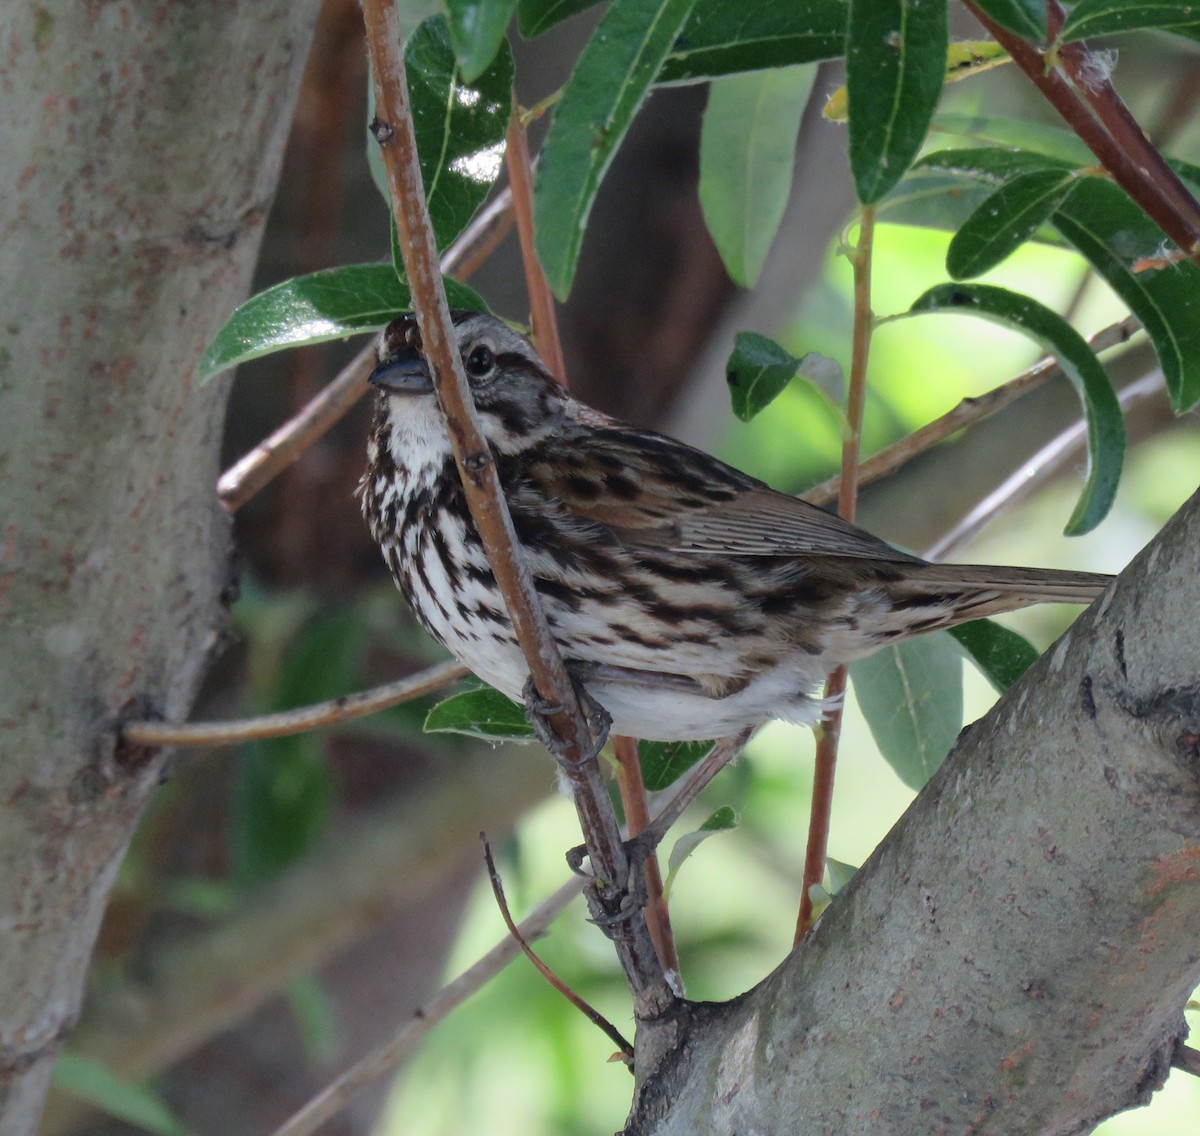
pixel 590 1012
pixel 344 708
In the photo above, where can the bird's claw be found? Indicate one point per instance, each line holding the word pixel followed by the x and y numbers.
pixel 539 710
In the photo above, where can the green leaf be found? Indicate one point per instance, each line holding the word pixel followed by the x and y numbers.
pixel 1025 17
pixel 911 696
pixel 757 372
pixel 1002 655
pixel 460 126
pixel 723 820
pixel 537 16
pixel 992 164
pixel 330 304
pixel 663 763
pixel 895 66
pixel 747 156
pixel 480 713
pixel 1111 17
pixel 477 30
pixel 1113 233
pixel 1106 428
pixel 1006 220
pixel 92 1082
pixel 606 88
pixel 723 38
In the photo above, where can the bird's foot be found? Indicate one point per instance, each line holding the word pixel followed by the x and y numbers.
pixel 539 711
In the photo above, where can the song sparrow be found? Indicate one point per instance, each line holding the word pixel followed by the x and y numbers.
pixel 688 599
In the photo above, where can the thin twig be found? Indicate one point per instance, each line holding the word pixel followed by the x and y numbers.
pixel 337 1094
pixel 1186 1059
pixel 967 413
pixel 393 130
pixel 541 302
pixel 1032 473
pixel 1158 199
pixel 344 708
pixel 637 816
pixel 250 473
pixel 586 1009
pixel 829 734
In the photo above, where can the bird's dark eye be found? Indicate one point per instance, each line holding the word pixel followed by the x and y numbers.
pixel 480 361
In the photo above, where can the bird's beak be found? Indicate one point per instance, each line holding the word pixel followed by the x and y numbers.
pixel 407 374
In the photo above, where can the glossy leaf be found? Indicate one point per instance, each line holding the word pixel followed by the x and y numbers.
pixel 480 713
pixel 1001 654
pixel 460 126
pixel 747 158
pixel 477 30
pixel 723 820
pixel 1025 17
pixel 1006 220
pixel 598 103
pixel 1106 427
pixel 723 38
pixel 537 16
pixel 1111 17
pixel 1114 235
pixel 992 164
pixel 90 1081
pixel 663 763
pixel 911 696
pixel 325 305
pixel 895 66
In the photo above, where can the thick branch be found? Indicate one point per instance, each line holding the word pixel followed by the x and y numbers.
pixel 1027 930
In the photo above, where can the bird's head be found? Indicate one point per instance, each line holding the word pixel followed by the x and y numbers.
pixel 515 395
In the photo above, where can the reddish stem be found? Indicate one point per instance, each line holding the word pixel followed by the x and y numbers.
pixel 835 687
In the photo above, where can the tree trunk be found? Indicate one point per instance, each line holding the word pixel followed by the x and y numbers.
pixel 141 148
pixel 1016 955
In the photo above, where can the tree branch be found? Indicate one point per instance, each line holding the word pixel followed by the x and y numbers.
pixel 393 131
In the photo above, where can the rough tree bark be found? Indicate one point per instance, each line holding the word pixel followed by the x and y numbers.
pixel 1016 955
pixel 141 147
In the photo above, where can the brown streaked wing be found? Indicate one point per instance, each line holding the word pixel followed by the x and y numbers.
pixel 656 492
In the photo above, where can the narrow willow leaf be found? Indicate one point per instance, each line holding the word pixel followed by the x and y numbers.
pixel 1111 17
pixel 1113 233
pixel 663 763
pixel 480 713
pixel 537 16
pixel 964 59
pixel 757 372
pixel 477 30
pixel 325 305
pixel 747 156
pixel 1006 220
pixel 721 38
pixel 1025 17
pixel 598 103
pixel 895 65
pixel 723 820
pixel 911 696
pixel 92 1082
pixel 1001 655
pixel 993 164
pixel 1106 427
pixel 460 126
pixel 1025 134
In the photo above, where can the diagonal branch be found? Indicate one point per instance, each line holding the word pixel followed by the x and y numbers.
pixel 393 130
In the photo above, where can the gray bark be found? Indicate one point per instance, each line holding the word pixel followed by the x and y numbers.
pixel 141 147
pixel 1016 955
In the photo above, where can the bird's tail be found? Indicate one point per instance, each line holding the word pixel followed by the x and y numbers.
pixel 945 595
